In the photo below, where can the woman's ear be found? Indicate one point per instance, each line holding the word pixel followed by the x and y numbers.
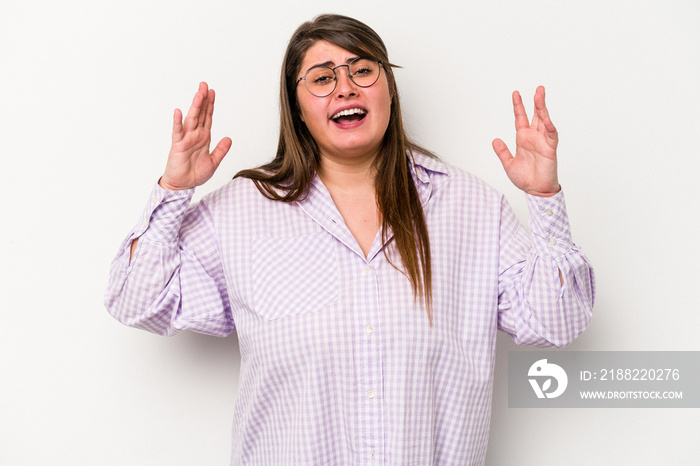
pixel 299 112
pixel 392 85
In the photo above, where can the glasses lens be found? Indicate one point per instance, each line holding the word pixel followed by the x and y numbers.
pixel 364 72
pixel 320 81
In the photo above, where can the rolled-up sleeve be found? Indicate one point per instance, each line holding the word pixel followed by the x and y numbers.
pixel 546 284
pixel 175 279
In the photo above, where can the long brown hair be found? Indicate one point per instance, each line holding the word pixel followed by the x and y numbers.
pixel 288 176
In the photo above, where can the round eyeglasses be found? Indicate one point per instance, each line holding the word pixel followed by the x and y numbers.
pixel 321 80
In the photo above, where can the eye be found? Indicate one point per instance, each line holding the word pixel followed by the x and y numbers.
pixel 363 68
pixel 364 71
pixel 321 77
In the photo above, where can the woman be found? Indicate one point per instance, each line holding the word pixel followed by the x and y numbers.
pixel 365 279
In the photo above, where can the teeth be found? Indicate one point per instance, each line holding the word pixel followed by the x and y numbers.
pixel 348 112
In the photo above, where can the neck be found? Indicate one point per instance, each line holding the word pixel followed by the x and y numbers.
pixel 351 186
pixel 347 175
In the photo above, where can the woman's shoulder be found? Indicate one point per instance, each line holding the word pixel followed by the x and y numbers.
pixel 239 191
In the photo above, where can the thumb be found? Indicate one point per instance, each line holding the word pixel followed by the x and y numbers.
pixel 501 150
pixel 221 150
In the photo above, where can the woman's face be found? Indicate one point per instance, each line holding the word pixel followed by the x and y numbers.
pixel 350 138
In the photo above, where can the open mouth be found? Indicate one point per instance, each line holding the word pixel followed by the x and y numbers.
pixel 350 115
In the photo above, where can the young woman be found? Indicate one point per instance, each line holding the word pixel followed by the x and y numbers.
pixel 366 279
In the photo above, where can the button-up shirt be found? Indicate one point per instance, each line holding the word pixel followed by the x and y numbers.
pixel 339 362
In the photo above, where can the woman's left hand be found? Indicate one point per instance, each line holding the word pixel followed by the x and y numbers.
pixel 533 169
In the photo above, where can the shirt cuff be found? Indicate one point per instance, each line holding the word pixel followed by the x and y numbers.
pixel 549 224
pixel 162 217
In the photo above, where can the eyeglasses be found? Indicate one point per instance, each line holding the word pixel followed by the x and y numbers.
pixel 322 80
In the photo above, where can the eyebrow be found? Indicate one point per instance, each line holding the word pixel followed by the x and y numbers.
pixel 330 63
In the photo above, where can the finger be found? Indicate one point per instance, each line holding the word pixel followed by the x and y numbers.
pixel 177 126
pixel 501 150
pixel 541 111
pixel 210 109
pixel 206 94
pixel 192 118
pixel 221 150
pixel 549 126
pixel 521 120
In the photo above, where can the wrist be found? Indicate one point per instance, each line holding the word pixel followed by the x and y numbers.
pixel 169 187
pixel 548 193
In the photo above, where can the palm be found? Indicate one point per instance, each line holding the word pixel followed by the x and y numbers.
pixel 533 169
pixel 190 163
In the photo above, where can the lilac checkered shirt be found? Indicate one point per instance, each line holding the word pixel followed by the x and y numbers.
pixel 339 364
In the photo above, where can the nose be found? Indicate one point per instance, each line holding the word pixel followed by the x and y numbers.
pixel 345 86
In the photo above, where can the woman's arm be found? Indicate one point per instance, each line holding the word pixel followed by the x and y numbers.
pixel 546 284
pixel 173 247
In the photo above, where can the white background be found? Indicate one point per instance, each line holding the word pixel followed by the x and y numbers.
pixel 87 93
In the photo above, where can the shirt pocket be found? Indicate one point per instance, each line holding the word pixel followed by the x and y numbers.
pixel 293 276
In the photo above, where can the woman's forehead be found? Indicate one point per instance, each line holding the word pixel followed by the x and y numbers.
pixel 326 53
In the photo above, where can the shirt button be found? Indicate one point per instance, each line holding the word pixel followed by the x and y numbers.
pixel 366 271
pixel 370 393
pixel 552 241
pixel 154 201
pixel 549 213
pixel 369 329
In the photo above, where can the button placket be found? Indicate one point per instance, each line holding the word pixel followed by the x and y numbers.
pixel 370 359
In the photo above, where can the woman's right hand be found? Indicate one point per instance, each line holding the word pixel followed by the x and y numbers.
pixel 190 163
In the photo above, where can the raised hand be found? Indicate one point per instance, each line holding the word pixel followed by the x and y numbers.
pixel 190 163
pixel 533 169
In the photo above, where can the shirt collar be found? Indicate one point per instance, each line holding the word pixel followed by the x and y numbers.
pixel 429 174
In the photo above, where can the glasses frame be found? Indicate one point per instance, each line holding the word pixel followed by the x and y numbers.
pixel 335 80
